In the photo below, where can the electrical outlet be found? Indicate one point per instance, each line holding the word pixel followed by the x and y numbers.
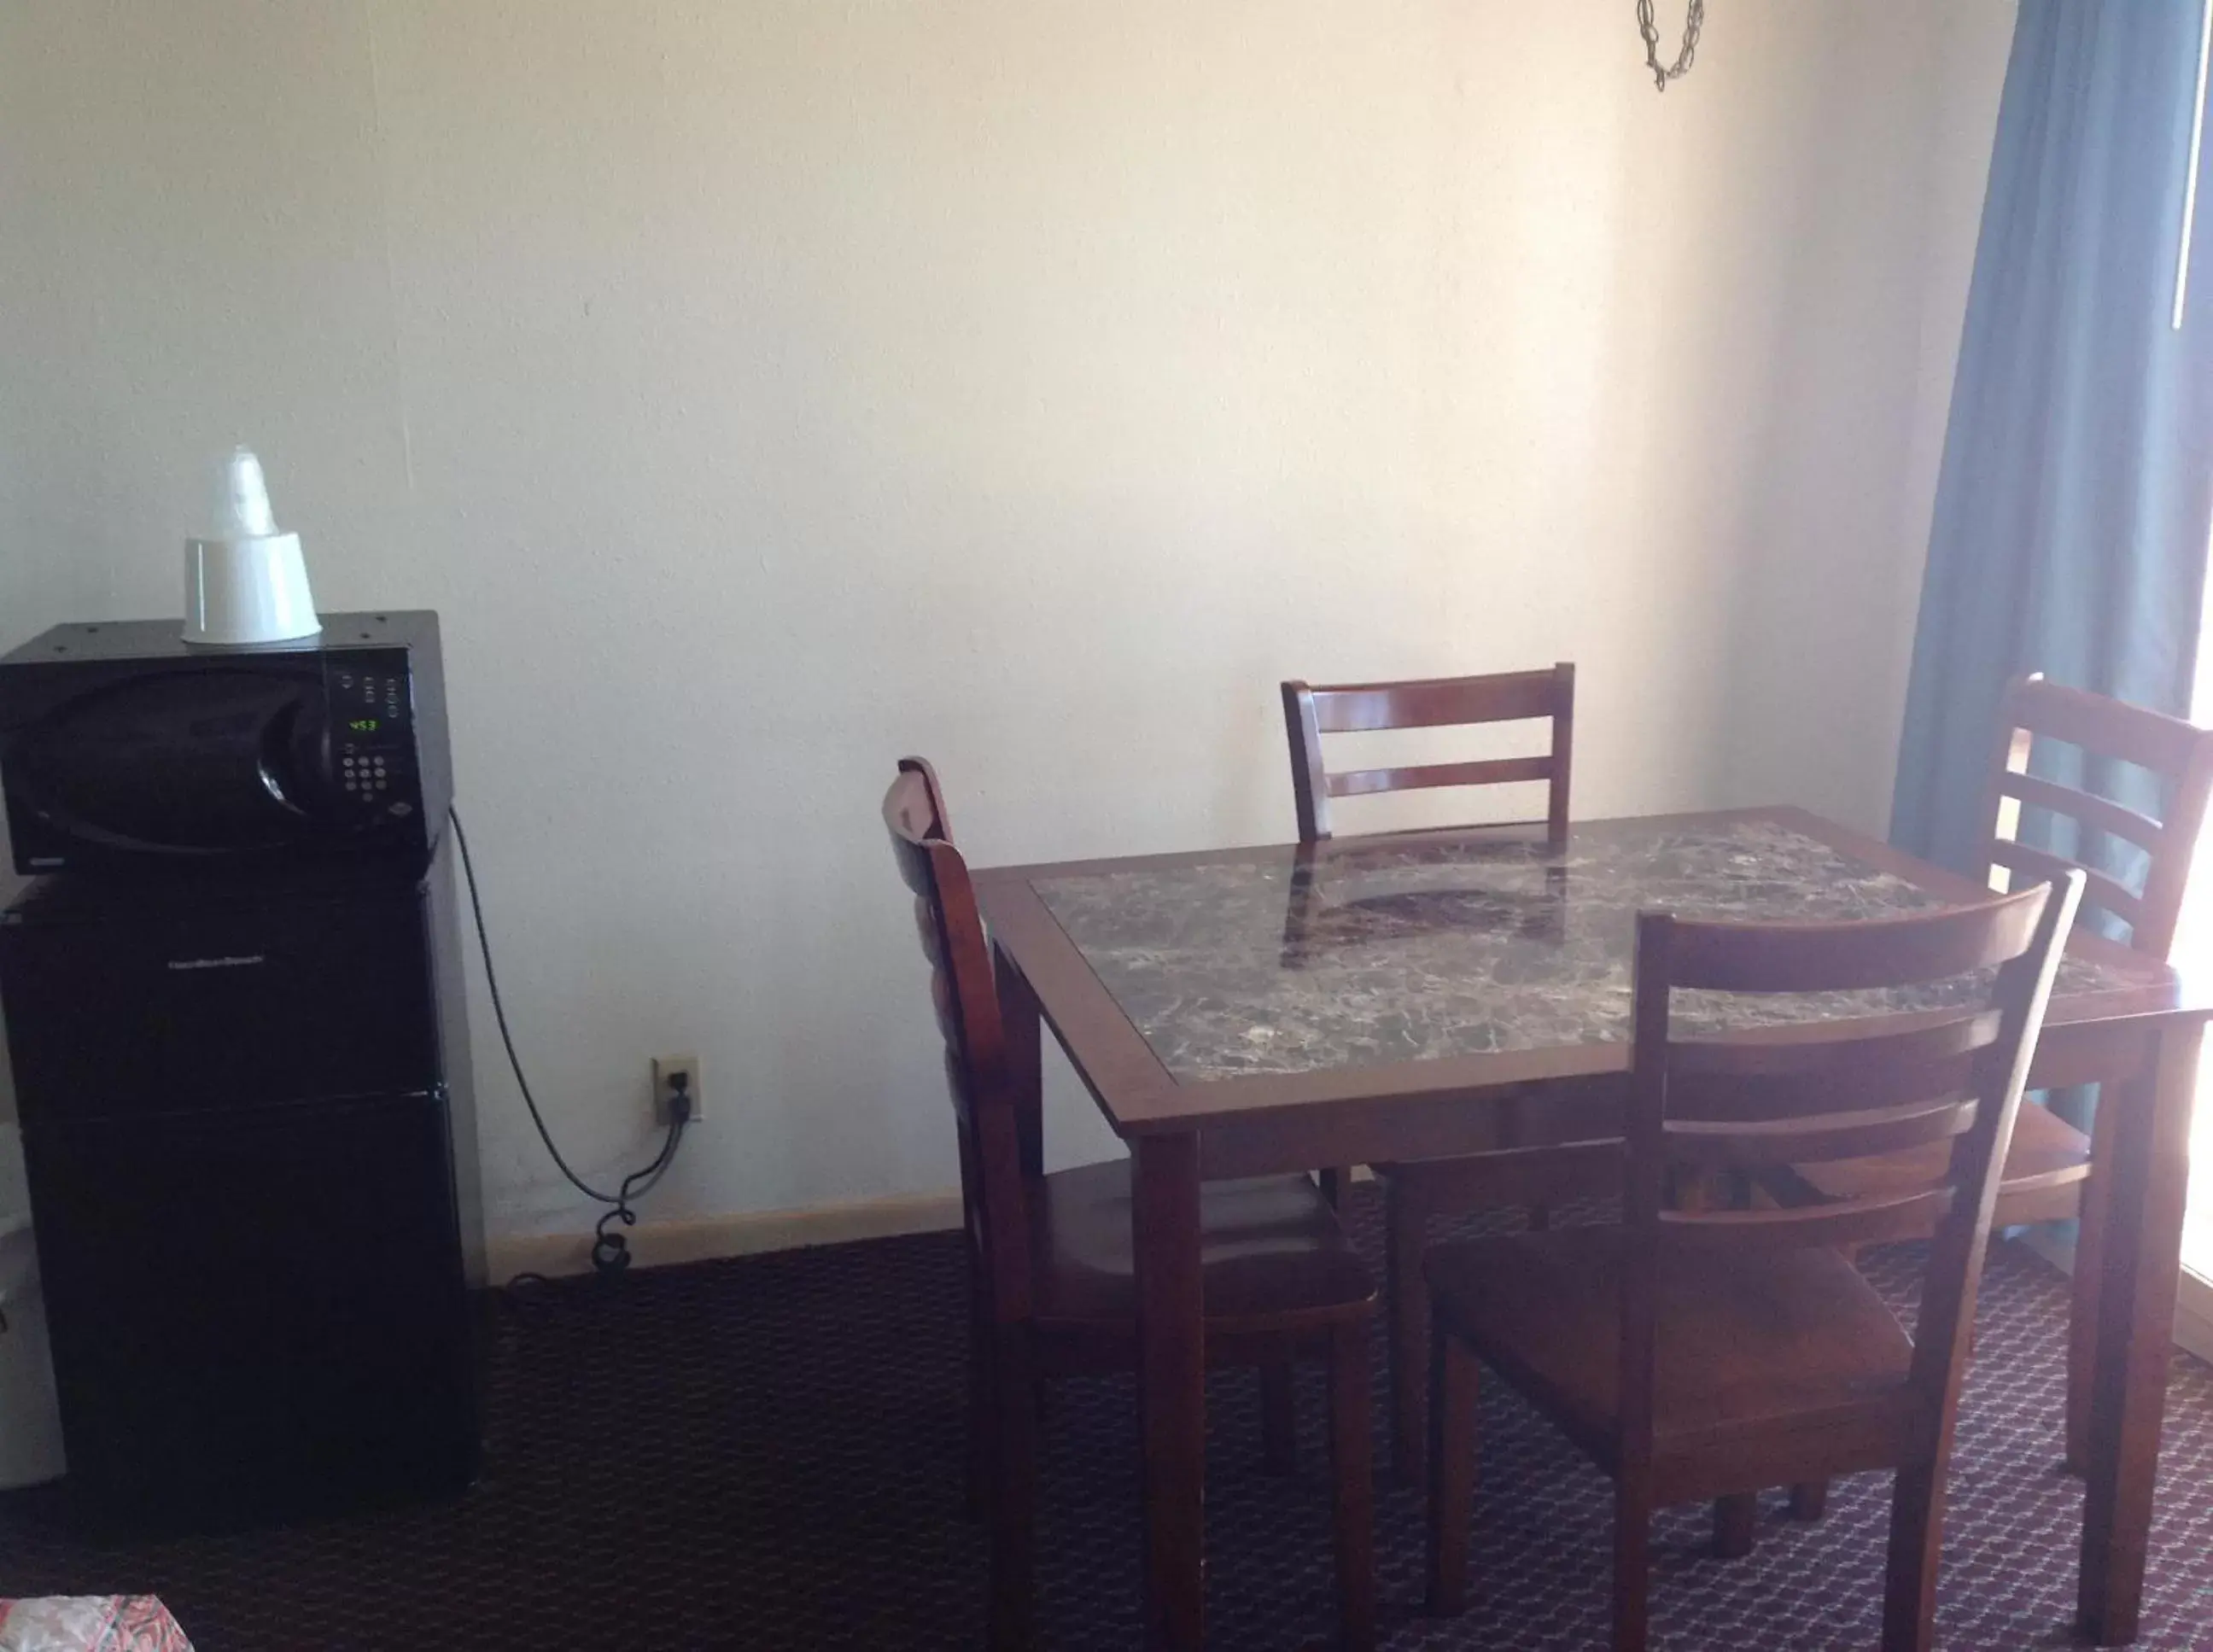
pixel 665 1071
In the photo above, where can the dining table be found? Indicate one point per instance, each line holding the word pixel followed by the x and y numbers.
pixel 1353 1001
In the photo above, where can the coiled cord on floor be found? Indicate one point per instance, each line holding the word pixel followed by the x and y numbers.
pixel 609 1250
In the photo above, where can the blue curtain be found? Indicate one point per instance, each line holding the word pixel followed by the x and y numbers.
pixel 2073 507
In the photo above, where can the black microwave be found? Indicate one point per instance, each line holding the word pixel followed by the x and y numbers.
pixel 125 748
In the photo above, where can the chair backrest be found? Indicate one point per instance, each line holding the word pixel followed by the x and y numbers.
pixel 993 1197
pixel 1433 702
pixel 2179 753
pixel 1819 1091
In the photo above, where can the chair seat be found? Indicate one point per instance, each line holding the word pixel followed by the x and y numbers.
pixel 2048 1160
pixel 1541 1150
pixel 1271 1252
pixel 1743 1341
pixel 1519 1175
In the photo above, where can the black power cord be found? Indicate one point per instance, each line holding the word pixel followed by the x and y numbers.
pixel 609 1250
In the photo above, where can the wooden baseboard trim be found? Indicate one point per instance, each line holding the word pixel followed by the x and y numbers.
pixel 2055 1245
pixel 663 1244
pixel 2193 1308
pixel 2193 1316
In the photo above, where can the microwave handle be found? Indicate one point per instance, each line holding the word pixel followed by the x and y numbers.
pixel 294 740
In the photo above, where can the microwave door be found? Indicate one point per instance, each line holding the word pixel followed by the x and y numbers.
pixel 188 763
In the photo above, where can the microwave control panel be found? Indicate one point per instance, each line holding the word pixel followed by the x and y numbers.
pixel 372 741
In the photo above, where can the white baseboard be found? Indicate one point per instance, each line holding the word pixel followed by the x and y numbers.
pixel 2193 1308
pixel 2055 1244
pixel 2193 1316
pixel 663 1244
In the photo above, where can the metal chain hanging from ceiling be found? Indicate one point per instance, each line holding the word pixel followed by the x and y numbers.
pixel 1693 20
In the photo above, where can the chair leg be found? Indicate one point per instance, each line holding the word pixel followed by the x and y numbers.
pixel 1809 1500
pixel 1917 1537
pixel 1632 1567
pixel 976 1498
pixel 1014 1489
pixel 1452 1473
pixel 2082 1321
pixel 1735 1517
pixel 1406 1302
pixel 1334 1181
pixel 1279 1416
pixel 1352 1461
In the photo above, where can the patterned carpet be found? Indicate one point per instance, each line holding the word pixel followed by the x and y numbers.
pixel 767 1454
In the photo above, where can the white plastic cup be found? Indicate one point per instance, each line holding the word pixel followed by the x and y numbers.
pixel 245 582
pixel 247 591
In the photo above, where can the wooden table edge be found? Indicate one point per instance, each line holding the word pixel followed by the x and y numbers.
pixel 1137 1094
pixel 1107 1050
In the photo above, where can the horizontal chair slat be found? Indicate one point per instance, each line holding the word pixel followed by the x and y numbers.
pixel 1819 1138
pixel 1879 952
pixel 1808 1047
pixel 2046 1180
pixel 1493 771
pixel 1721 1101
pixel 2086 807
pixel 1433 703
pixel 1870 1220
pixel 2149 738
pixel 2100 889
pixel 1717 1080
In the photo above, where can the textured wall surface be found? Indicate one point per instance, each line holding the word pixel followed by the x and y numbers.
pixel 760 392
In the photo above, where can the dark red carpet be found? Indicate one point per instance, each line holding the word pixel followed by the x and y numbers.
pixel 767 1454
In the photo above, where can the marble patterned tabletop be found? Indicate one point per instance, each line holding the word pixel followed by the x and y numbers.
pixel 1378 952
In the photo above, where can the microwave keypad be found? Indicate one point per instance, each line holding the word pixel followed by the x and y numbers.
pixel 370 774
pixel 366 774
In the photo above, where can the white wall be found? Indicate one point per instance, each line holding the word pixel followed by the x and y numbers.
pixel 762 391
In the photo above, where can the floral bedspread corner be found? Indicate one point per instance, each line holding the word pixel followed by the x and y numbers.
pixel 90 1623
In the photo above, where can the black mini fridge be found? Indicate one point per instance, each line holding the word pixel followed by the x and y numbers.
pixel 253 1192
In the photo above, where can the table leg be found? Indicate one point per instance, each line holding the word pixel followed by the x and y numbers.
pixel 1024 1033
pixel 2150 1177
pixel 1171 1389
pixel 2089 1281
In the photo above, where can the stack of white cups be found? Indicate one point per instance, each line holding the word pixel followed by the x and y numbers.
pixel 247 583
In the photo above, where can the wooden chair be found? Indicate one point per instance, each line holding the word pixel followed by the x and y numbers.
pixel 2049 1173
pixel 1692 1353
pixel 1432 702
pixel 1521 1174
pixel 1051 1257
